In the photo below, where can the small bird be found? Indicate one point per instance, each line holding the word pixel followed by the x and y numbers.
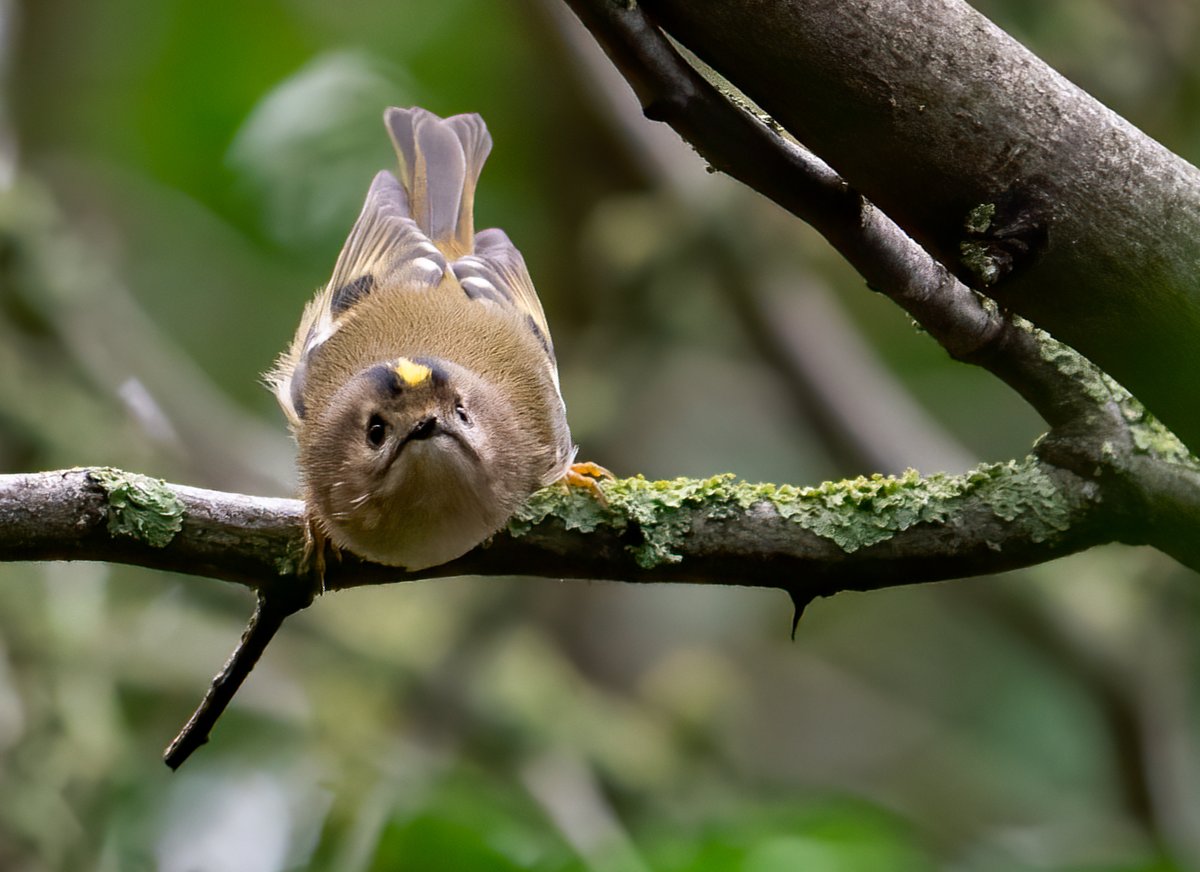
pixel 421 385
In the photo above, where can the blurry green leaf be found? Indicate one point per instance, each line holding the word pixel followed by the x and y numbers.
pixel 471 823
pixel 832 837
pixel 310 147
pixel 841 837
pixel 433 843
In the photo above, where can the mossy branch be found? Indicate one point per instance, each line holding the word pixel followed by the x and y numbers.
pixel 857 534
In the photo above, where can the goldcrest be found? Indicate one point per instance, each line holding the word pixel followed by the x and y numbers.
pixel 421 385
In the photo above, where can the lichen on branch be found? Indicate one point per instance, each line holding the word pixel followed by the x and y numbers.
pixel 852 513
pixel 141 507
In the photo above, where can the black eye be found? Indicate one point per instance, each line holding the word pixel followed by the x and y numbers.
pixel 461 411
pixel 376 430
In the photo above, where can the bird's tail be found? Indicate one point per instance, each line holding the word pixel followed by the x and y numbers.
pixel 440 162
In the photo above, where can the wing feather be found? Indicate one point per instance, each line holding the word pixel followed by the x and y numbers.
pixel 384 249
pixel 499 263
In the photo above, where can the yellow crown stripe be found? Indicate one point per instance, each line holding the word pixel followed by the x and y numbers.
pixel 410 372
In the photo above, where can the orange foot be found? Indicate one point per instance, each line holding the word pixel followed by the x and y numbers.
pixel 588 476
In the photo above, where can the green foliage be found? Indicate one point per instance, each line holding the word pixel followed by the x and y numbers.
pixel 327 112
pixel 836 836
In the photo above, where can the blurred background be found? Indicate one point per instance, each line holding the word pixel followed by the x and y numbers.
pixel 177 177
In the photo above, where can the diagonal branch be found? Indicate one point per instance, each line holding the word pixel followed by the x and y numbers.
pixel 1009 174
pixel 863 417
pixel 737 142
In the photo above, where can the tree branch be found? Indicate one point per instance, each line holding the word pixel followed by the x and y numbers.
pixel 853 535
pixel 863 416
pixel 1137 485
pixel 103 514
pixel 737 142
pixel 1088 226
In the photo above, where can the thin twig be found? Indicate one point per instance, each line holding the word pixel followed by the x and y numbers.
pixel 269 614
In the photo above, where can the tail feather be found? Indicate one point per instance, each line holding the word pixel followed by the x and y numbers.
pixel 477 145
pixel 440 162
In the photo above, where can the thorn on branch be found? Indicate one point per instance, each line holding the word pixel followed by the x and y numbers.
pixel 800 602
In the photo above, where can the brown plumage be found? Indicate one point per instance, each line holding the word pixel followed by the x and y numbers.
pixel 421 385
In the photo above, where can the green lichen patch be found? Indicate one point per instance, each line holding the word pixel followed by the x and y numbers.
pixel 141 507
pixel 976 252
pixel 978 258
pixel 660 510
pixel 1149 435
pixel 1085 374
pixel 1021 493
pixel 980 218
pixel 864 511
pixel 859 512
pixel 854 513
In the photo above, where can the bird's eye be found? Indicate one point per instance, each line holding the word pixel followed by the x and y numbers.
pixel 376 430
pixel 461 411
